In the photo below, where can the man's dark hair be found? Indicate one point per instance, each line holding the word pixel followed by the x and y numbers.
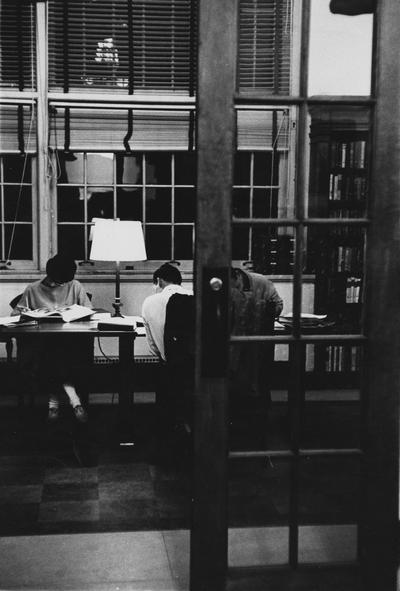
pixel 61 268
pixel 168 273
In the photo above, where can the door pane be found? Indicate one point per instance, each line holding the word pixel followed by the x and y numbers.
pixel 340 52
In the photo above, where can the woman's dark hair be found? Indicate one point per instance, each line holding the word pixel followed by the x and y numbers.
pixel 61 268
pixel 169 273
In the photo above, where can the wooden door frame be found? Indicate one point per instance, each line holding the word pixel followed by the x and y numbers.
pixel 381 384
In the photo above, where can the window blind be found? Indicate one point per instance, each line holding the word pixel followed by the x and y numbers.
pixel 100 129
pixel 17 129
pixel 265 33
pixel 17 44
pixel 131 46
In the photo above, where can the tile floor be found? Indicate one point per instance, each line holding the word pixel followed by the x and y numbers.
pixel 73 493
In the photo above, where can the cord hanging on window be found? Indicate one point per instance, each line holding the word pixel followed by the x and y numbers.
pixel 21 140
pixel 66 46
pixel 129 132
pixel 192 48
pixel 21 81
pixel 191 131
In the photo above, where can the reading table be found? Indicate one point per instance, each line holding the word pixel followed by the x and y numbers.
pixel 87 328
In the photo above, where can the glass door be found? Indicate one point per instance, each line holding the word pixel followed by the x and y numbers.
pixel 296 411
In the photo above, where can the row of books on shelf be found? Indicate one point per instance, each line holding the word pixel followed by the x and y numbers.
pixel 347 187
pixel 347 259
pixel 353 290
pixel 349 154
pixel 342 358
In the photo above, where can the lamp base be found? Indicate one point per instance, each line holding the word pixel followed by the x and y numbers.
pixel 117 313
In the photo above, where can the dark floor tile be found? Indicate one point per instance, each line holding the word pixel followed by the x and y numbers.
pixel 20 494
pixel 124 472
pixel 139 513
pixel 21 475
pixel 70 491
pixel 128 490
pixel 60 475
pixel 71 511
pixel 15 518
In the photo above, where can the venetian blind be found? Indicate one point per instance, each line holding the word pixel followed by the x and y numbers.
pixel 17 44
pixel 264 46
pixel 131 46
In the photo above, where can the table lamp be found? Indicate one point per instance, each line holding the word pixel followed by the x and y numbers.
pixel 116 240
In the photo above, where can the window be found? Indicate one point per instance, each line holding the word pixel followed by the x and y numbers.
pixel 154 187
pixel 17 44
pixel 135 46
pixel 114 160
pixel 16 207
pixel 158 188
pixel 265 37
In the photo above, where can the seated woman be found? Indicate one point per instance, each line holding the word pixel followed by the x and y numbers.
pixel 58 358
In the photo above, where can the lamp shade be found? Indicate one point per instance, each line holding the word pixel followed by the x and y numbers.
pixel 115 240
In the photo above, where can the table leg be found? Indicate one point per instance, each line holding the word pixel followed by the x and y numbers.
pixel 126 381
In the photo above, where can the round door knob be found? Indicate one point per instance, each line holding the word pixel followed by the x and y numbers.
pixel 216 283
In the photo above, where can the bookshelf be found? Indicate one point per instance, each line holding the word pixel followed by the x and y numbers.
pixel 338 189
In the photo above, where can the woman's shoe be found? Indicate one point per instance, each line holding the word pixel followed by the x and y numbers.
pixel 54 414
pixel 81 414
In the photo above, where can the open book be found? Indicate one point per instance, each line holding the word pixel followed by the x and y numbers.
pixel 66 314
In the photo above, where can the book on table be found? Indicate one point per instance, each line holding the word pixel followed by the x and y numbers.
pixel 134 323
pixel 63 314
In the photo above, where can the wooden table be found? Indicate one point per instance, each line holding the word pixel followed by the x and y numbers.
pixel 126 354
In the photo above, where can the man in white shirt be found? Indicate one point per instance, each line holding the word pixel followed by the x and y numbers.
pixel 167 280
pixel 173 401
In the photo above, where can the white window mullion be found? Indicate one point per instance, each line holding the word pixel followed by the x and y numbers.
pixel 45 211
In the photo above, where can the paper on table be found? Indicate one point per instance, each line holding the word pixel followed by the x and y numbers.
pixel 101 316
pixel 306 315
pixel 6 320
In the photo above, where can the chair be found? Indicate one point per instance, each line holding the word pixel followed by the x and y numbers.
pixel 8 341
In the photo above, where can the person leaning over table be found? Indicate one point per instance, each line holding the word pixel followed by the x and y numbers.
pixel 59 358
pixel 255 304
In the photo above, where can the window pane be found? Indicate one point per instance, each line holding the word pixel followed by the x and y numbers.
pixel 340 52
pixel 158 205
pixel 21 238
pixel 129 169
pixel 185 168
pixel 240 244
pixel 242 168
pixel 339 146
pixel 336 257
pixel 71 168
pixel 100 169
pixel 70 205
pixel 158 242
pixel 185 205
pixel 241 203
pixel 17 203
pixel 329 491
pixel 17 44
pixel 263 170
pixel 265 36
pixel 71 240
pixel 15 167
pixel 265 203
pixel 158 168
pixel 183 242
pixel 100 203
pixel 129 204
